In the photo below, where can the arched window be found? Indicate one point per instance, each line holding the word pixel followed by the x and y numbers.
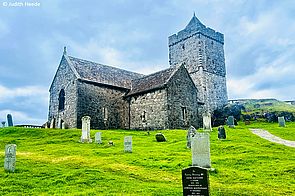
pixel 61 100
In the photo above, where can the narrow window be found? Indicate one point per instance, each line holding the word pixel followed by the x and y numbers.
pixel 183 47
pixel 143 116
pixel 183 113
pixel 61 100
pixel 105 113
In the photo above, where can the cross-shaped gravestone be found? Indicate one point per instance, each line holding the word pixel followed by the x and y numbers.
pixel 190 133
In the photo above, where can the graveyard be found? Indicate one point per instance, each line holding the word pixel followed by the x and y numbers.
pixel 55 161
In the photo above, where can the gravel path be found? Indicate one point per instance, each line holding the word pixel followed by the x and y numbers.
pixel 270 137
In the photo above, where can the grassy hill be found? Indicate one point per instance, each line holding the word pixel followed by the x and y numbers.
pixel 52 161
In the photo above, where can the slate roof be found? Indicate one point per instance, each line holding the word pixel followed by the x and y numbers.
pixel 195 23
pixel 153 81
pixel 103 74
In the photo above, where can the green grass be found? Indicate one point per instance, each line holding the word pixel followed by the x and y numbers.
pixel 269 105
pixel 53 162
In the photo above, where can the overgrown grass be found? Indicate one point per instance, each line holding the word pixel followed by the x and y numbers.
pixel 52 161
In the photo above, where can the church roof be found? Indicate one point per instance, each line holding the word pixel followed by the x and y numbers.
pixel 104 74
pixel 153 81
pixel 194 23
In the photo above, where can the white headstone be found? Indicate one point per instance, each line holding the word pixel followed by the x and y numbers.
pixel 207 123
pixel 128 143
pixel 63 125
pixel 281 121
pixel 190 132
pixel 86 129
pixel 52 123
pixel 10 157
pixel 59 123
pixel 98 137
pixel 201 150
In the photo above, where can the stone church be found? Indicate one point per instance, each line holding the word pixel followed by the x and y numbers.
pixel 177 97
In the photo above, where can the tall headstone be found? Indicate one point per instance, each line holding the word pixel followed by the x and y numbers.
pixel 221 133
pixel 10 157
pixel 230 121
pixel 3 123
pixel 195 181
pixel 63 125
pixel 52 123
pixel 281 121
pixel 128 144
pixel 9 120
pixel 207 123
pixel 86 129
pixel 98 138
pixel 190 133
pixel 59 123
pixel 201 150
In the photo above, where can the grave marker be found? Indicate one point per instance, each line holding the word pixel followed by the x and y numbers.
pixel 195 181
pixel 201 150
pixel 221 133
pixel 160 137
pixel 230 121
pixel 52 122
pixel 3 123
pixel 128 143
pixel 9 120
pixel 207 123
pixel 281 121
pixel 98 138
pixel 86 129
pixel 10 157
pixel 190 133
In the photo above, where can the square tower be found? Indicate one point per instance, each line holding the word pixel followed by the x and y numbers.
pixel 201 50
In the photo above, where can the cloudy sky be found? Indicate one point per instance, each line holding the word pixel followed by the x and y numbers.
pixel 132 34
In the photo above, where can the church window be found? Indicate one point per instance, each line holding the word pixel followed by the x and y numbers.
pixel 183 47
pixel 61 100
pixel 105 113
pixel 143 116
pixel 184 113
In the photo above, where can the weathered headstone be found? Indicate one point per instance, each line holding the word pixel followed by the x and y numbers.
pixel 98 137
pixel 3 123
pixel 201 150
pixel 63 125
pixel 52 123
pixel 221 133
pixel 128 143
pixel 230 121
pixel 9 120
pixel 281 121
pixel 207 123
pixel 160 137
pixel 190 133
pixel 195 181
pixel 59 123
pixel 86 129
pixel 10 157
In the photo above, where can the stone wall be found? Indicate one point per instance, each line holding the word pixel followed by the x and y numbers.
pixel 104 104
pixel 182 101
pixel 149 110
pixel 64 79
pixel 203 55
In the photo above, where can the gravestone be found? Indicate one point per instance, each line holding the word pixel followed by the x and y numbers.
pixel 10 157
pixel 86 129
pixel 3 123
pixel 52 122
pixel 281 121
pixel 98 138
pixel 201 150
pixel 63 125
pixel 230 121
pixel 128 144
pixel 190 133
pixel 247 122
pixel 207 123
pixel 160 137
pixel 221 133
pixel 195 181
pixel 9 120
pixel 59 124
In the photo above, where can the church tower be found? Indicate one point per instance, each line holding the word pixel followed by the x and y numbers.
pixel 201 49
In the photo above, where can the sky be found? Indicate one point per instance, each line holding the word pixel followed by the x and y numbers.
pixel 133 35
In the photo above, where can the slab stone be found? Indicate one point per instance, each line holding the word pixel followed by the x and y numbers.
pixel 195 181
pixel 190 133
pixel 221 132
pixel 10 157
pixel 207 123
pixel 86 129
pixel 63 125
pixel 282 122
pixel 52 122
pixel 98 138
pixel 9 120
pixel 160 137
pixel 128 144
pixel 201 150
pixel 230 121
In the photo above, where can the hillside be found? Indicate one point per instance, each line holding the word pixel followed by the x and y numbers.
pixel 52 161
